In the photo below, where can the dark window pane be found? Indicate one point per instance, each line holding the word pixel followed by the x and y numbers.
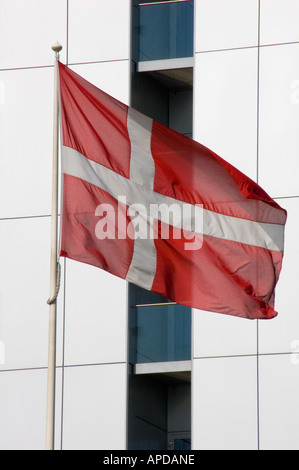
pixel 166 30
pixel 163 333
pixel 182 444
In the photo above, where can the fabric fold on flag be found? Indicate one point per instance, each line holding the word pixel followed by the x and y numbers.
pixel 162 211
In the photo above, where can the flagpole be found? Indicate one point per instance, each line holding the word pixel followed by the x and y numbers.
pixel 50 417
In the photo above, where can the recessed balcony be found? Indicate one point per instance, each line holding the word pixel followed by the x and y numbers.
pixel 166 30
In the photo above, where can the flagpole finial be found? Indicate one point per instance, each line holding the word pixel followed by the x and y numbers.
pixel 57 47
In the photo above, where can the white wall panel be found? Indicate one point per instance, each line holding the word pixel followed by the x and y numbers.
pixel 281 333
pixel 226 24
pixel 99 30
pixel 224 404
pixel 225 106
pixel 23 409
pixel 222 335
pixel 24 290
pixel 279 402
pixel 95 407
pixel 26 129
pixel 279 120
pixel 111 77
pixel 224 389
pixel 279 21
pixel 95 316
pixel 28 29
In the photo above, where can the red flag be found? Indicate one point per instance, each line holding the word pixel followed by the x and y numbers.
pixel 160 210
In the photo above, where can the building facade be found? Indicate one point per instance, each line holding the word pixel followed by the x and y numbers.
pixel 133 370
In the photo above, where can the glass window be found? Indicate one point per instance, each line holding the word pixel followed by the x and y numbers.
pixel 162 328
pixel 141 2
pixel 166 30
pixel 163 333
pixel 182 444
pixel 179 441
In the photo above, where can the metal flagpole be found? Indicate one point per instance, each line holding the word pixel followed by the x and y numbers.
pixel 50 417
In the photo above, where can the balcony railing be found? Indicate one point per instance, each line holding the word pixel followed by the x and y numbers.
pixel 166 30
pixel 163 333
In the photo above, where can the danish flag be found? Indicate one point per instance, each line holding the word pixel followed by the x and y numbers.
pixel 225 237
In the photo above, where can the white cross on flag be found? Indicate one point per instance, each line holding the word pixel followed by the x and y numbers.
pixel 160 210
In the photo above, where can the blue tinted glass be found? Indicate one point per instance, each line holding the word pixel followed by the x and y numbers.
pixel 182 444
pixel 163 333
pixel 166 30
